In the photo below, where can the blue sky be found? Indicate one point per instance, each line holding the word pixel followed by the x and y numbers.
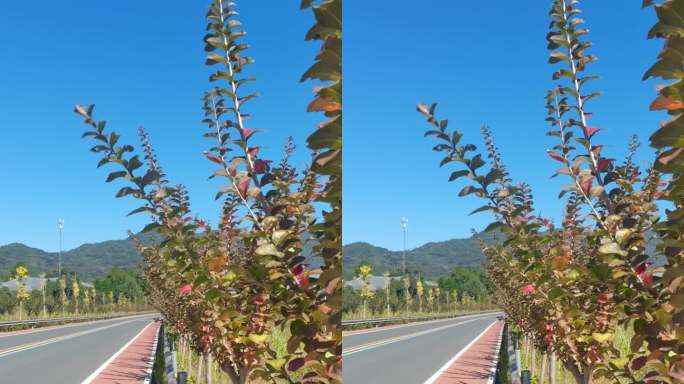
pixel 485 62
pixel 141 63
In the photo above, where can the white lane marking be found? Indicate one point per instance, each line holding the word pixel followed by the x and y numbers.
pixel 104 365
pixel 495 363
pixel 444 367
pixel 41 343
pixel 69 325
pixel 380 343
pixel 150 364
pixel 389 327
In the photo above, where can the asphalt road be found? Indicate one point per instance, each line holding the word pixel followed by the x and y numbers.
pixel 64 355
pixel 407 354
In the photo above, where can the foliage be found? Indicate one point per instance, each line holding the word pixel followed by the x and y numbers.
pixel 122 282
pixel 226 288
pixel 571 288
pixel 466 281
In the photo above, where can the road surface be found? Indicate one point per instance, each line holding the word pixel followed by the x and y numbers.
pixel 66 354
pixel 407 354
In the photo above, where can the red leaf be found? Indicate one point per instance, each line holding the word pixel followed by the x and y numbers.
pixel 586 185
pixel 295 364
pixel 298 270
pixel 590 131
pixel 596 149
pixel 260 166
pixel 323 104
pixel 556 156
pixel 646 278
pixel 303 279
pixel 528 289
pixel 247 133
pixel 213 158
pixel 252 152
pixel 639 362
pixel 665 103
pixel 603 164
pixel 641 268
pixel 185 289
pixel 242 186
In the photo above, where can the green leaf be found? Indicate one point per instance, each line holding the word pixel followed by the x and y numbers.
pixel 493 226
pixel 456 174
pixel 481 209
pixel 258 339
pixel 115 175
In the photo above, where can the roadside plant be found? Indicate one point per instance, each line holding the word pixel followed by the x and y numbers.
pixel 365 272
pixel 20 274
pixel 420 292
pixel 569 287
pixel 407 292
pixel 387 281
pixel 75 294
pixel 224 288
pixel 43 286
pixel 86 300
pixel 62 293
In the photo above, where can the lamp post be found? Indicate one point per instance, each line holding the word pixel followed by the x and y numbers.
pixel 404 223
pixel 60 229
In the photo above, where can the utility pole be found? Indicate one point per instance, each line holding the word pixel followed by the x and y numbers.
pixel 404 223
pixel 60 229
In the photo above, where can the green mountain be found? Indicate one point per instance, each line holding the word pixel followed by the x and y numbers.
pixel 432 260
pixel 89 261
pixel 437 259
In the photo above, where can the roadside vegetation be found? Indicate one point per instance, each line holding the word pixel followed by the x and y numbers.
pixel 231 289
pixel 465 290
pixel 120 291
pixel 584 290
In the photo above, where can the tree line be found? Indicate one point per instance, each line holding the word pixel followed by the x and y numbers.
pixel 120 290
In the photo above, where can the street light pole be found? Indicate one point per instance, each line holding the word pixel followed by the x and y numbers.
pixel 404 222
pixel 60 229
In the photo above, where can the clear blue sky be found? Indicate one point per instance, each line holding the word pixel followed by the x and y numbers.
pixel 141 63
pixel 485 62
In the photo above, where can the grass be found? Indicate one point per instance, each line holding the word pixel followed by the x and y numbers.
pixel 621 341
pixel 278 343
pixel 358 315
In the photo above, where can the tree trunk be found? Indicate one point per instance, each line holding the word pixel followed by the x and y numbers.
pixel 552 368
pixel 533 362
pixel 582 376
pixel 208 368
pixel 542 376
pixel 236 377
pixel 188 362
pixel 199 369
pixel 587 375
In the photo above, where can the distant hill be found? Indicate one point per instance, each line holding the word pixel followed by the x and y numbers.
pixel 436 259
pixel 432 260
pixel 89 261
